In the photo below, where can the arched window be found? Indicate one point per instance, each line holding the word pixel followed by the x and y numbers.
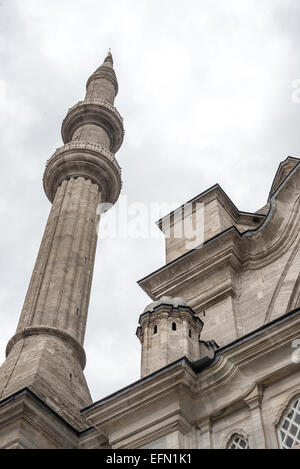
pixel 190 333
pixel 237 442
pixel 155 329
pixel 174 327
pixel 289 426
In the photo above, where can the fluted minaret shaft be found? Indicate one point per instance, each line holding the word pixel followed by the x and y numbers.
pixel 59 291
pixel 78 177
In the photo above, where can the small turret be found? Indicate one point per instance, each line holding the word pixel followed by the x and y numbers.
pixel 168 330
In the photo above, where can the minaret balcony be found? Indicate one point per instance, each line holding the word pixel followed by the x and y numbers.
pixel 88 160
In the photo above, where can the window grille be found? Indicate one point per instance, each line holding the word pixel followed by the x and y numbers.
pixel 289 427
pixel 238 442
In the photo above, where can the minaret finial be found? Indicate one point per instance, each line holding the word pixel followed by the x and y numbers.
pixel 109 58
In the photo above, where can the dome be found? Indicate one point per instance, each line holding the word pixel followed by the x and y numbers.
pixel 165 300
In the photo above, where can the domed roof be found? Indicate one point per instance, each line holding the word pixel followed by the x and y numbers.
pixel 165 300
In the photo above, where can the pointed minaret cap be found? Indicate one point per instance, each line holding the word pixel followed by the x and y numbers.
pixel 106 72
pixel 109 58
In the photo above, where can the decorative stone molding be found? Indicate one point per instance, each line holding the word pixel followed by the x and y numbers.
pixel 87 160
pixel 165 300
pixel 81 144
pixel 150 433
pixel 161 343
pixel 254 397
pixel 53 331
pixel 284 169
pixel 97 101
pixel 279 245
pixel 162 308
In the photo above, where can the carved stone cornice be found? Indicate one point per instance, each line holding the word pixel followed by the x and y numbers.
pixel 168 311
pixel 254 398
pixel 278 245
pixel 87 160
pixel 150 389
pixel 233 382
pixel 215 192
pixel 284 169
pixel 245 352
pixel 197 265
pixel 82 144
pixel 99 101
pixel 149 433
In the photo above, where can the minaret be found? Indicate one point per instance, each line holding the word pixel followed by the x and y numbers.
pixel 46 353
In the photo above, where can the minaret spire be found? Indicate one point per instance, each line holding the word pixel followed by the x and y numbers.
pixel 109 57
pixel 103 83
pixel 46 354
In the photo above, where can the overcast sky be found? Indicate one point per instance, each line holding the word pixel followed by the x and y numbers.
pixel 205 89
